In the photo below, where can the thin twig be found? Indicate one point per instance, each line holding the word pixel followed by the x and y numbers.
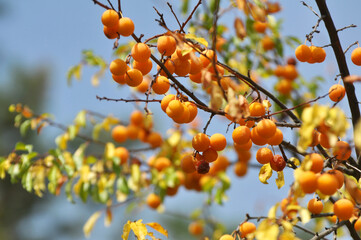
pixel 355 43
pixel 309 7
pixel 190 16
pixel 175 16
pixel 349 26
pixel 100 4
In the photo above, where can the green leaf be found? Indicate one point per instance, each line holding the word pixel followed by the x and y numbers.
pixel 24 127
pixel 68 192
pixel 78 156
pixel 74 71
pixel 185 6
pixel 27 181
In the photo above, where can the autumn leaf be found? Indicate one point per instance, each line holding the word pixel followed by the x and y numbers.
pixel 88 226
pixel 352 78
pixel 240 29
pixel 280 180
pixel 158 227
pixel 265 173
pixel 357 135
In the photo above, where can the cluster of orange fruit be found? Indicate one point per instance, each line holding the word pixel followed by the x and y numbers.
pixel 310 54
pixel 245 229
pixel 115 26
pixel 178 109
pixel 286 74
pixel 138 128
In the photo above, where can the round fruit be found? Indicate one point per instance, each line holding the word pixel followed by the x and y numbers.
pixel 339 176
pixel 187 164
pixel 230 237
pixel 166 100
pixel 110 18
pixel 200 142
pixel 284 86
pixel 141 52
pixel 162 163
pixel 260 27
pixel 118 67
pixel 207 57
pixel 240 168
pixel 241 135
pixel 218 142
pixel 133 77
pixel 358 224
pixel 195 228
pixel 318 54
pixel 119 133
pixel 303 53
pixel 276 139
pixel 308 182
pixel 327 184
pixel 317 162
pixel 257 109
pixel 264 155
pixel 267 43
pixel 122 153
pixel 166 45
pixel 315 206
pixel 343 209
pixel 169 65
pixel 278 163
pixel 290 72
pixel 153 200
pixel 324 141
pixel 126 27
pixel 243 147
pixel 247 228
pixel 336 92
pixel 256 138
pixel 210 155
pixel 154 139
pixel 266 128
pixel 161 85
pixel 342 151
pixel 144 67
pixel 356 56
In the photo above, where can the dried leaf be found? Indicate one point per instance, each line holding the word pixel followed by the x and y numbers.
pixel 139 229
pixel 280 180
pixel 352 78
pixel 240 29
pixel 265 173
pixel 352 189
pixel 88 226
pixel 156 226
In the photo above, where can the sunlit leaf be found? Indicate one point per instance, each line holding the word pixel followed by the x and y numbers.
pixel 265 173
pixel 156 226
pixel 88 226
pixel 80 119
pixel 197 39
pixel 108 217
pixel 357 135
pixel 267 229
pixel 139 229
pixel 304 215
pixel 280 181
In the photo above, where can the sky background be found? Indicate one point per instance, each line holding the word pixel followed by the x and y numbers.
pixel 52 34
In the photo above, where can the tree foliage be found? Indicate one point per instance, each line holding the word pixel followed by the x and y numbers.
pixel 205 68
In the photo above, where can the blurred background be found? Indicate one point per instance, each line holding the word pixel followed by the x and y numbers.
pixel 40 41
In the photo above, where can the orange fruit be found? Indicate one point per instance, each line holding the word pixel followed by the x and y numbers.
pixel 137 118
pixel 226 237
pixel 339 176
pixel 175 108
pixel 218 142
pixel 187 164
pixel 196 65
pixel 343 209
pixel 162 163
pixel 210 155
pixel 308 182
pixel 336 92
pixel 303 53
pixel 166 100
pixel 356 56
pixel 247 228
pixel 259 26
pixel 240 168
pixel 119 133
pixel 133 77
pixel 342 150
pixel 244 156
pixel 144 67
pixel 207 57
pixel 118 67
pixel 169 65
pixel 241 135
pixel 323 139
pixel 200 142
pixel 140 52
pixel 122 153
pixel 143 86
pixel 317 162
pixel 267 43
pixel 358 224
pixel 193 110
pixel 327 184
pixel 166 45
pixel 243 147
pixel 264 155
pixel 276 139
pixel 284 86
pixel 154 139
pixel 279 71
pixel 161 85
pixel 182 67
pixel 257 109
pixel 256 138
pixel 315 206
pixel 291 72
pixel 153 200
pixel 110 18
pixel 266 128
pixel 126 26
pixel 195 228
pixel 318 54
pixel 111 32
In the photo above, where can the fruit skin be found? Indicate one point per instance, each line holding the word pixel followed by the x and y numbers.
pixel 133 77
pixel 317 162
pixel 336 92
pixel 343 209
pixel 247 228
pixel 118 67
pixel 141 52
pixel 195 228
pixel 166 45
pixel 266 128
pixel 264 155
pixel 230 237
pixel 308 182
pixel 153 200
pixel 303 53
pixel 200 142
pixel 187 164
pixel 315 206
pixel 161 85
pixel 240 168
pixel 122 153
pixel 241 135
pixel 278 163
pixel 119 133
pixel 339 176
pixel 110 18
pixel 267 43
pixel 126 27
pixel 358 224
pixel 356 56
pixel 327 184
pixel 342 151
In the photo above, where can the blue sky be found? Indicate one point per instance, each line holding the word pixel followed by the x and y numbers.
pixel 53 33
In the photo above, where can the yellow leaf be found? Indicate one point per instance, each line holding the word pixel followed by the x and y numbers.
pixel 175 138
pixel 287 226
pixel 267 229
pixel 126 231
pixel 273 211
pixel 109 150
pixel 265 173
pixel 240 29
pixel 280 180
pixel 357 135
pixel 139 229
pixel 216 97
pixel 156 226
pixel 267 104
pixel 197 39
pixel 305 215
pixel 88 226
